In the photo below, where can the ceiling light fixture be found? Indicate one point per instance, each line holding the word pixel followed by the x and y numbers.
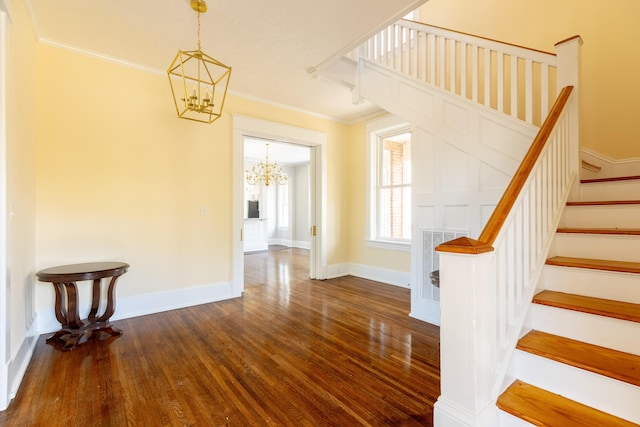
pixel 266 173
pixel 198 82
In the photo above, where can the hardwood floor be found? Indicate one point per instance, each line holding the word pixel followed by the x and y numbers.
pixel 291 351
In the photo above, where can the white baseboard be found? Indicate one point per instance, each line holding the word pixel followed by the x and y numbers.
pixel 427 311
pixel 447 413
pixel 282 242
pixel 383 275
pixel 608 167
pixel 291 243
pixel 302 244
pixel 336 270
pixel 140 305
pixel 16 367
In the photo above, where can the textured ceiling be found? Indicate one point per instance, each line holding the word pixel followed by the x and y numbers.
pixel 270 45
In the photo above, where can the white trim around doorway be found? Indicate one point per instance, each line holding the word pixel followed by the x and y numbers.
pixel 244 126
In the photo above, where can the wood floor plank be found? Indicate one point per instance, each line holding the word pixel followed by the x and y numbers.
pixel 290 351
pixel 595 264
pixel 599 306
pixel 542 408
pixel 600 360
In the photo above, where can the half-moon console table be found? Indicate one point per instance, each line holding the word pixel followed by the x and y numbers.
pixel 75 330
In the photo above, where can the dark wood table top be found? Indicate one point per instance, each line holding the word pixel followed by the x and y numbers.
pixel 84 271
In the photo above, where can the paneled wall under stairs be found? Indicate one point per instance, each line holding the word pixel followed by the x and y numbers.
pixel 464 155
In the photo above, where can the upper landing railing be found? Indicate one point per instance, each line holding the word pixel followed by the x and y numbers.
pixel 513 80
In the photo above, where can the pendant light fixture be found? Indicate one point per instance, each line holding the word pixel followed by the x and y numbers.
pixel 198 82
pixel 266 172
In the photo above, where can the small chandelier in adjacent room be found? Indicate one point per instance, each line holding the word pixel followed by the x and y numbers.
pixel 198 82
pixel 266 173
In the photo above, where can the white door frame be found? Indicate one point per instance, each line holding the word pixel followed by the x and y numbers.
pixel 244 126
pixel 5 335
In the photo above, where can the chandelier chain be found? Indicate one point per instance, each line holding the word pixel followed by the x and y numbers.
pixel 199 30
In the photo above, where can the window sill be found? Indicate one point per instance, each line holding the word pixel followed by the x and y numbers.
pixel 390 245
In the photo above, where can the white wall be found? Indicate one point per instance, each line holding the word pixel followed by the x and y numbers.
pixel 18 135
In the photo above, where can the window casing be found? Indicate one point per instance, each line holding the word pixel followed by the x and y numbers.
pixel 389 213
pixel 283 205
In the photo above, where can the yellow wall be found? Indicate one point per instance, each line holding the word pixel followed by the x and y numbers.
pixel 359 252
pixel 120 177
pixel 610 63
pixel 21 95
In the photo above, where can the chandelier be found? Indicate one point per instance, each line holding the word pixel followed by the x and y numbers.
pixel 266 172
pixel 198 82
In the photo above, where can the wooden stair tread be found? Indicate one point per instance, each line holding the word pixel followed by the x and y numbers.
pixel 612 231
pixel 601 360
pixel 543 408
pixel 595 264
pixel 604 203
pixel 602 307
pixel 612 179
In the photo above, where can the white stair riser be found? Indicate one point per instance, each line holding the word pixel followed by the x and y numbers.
pixel 597 246
pixel 604 331
pixel 607 216
pixel 507 420
pixel 606 394
pixel 615 190
pixel 592 283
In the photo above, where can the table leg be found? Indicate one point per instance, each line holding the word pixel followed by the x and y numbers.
pixel 61 313
pixel 102 323
pixel 95 299
pixel 73 314
pixel 111 301
pixel 73 328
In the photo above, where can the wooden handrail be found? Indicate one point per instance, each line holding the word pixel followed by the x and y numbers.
pixel 484 38
pixel 504 206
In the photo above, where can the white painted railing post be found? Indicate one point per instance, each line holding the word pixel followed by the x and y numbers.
pixel 569 56
pixel 467 336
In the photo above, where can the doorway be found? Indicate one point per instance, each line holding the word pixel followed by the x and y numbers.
pixel 277 195
pixel 247 127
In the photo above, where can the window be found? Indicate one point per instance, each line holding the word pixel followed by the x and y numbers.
pixel 283 205
pixel 389 216
pixel 394 187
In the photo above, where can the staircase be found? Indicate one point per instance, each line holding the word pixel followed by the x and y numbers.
pixel 579 362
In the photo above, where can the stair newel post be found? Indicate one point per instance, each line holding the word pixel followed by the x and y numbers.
pixel 467 335
pixel 569 57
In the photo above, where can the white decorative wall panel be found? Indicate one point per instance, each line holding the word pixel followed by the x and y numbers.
pixel 456 170
pixel 512 141
pixel 413 98
pixel 424 173
pixel 492 179
pixel 486 211
pixel 456 117
pixel 456 217
pixel 463 155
